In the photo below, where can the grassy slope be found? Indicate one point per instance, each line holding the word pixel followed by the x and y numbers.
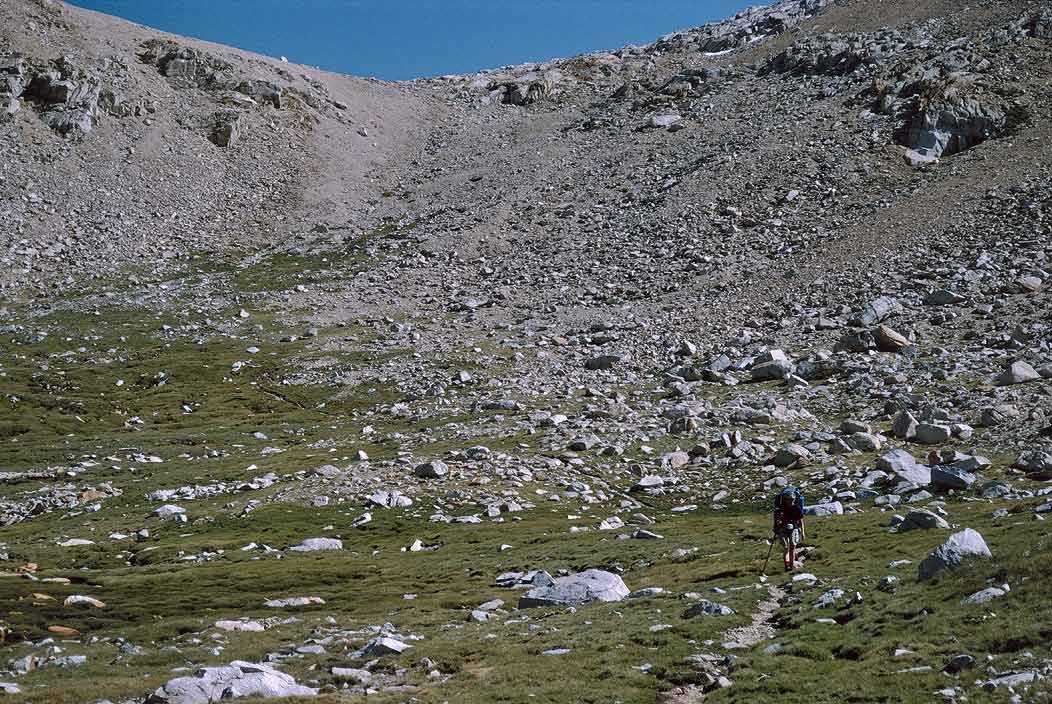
pixel 69 406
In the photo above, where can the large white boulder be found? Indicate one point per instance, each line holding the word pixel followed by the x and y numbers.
pixel 580 588
pixel 957 548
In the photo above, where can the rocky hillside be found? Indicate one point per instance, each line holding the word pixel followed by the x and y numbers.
pixel 123 142
pixel 478 388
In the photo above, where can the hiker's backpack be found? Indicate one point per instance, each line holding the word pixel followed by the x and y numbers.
pixel 789 491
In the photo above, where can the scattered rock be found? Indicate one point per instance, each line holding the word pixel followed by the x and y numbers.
pixel 233 681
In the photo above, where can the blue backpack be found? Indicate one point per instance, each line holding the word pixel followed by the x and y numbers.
pixel 789 491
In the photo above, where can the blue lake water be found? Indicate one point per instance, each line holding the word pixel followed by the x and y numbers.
pixel 413 38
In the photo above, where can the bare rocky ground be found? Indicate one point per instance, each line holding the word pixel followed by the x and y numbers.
pixel 477 388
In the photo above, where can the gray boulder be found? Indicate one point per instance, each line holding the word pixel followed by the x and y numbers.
pixel 961 661
pixel 1036 463
pixel 352 674
pixel 943 297
pixel 580 588
pixel 830 598
pixel 994 490
pixel 922 519
pixel 382 645
pixel 168 511
pixel 858 342
pixel 664 121
pixel 238 679
pixel 834 508
pixel 648 482
pixel 317 544
pixel 947 478
pixel 904 425
pixel 529 90
pixel 1041 25
pixel 983 596
pixel 932 434
pixel 604 361
pixel 958 547
pixel 877 311
pixel 904 466
pixel 226 129
pixel 1017 373
pixel 708 608
pixel 771 371
pixel 1011 679
pixel 389 499
pixel 969 463
pixel 948 126
pixel 431 470
pixel 791 454
pixel 584 443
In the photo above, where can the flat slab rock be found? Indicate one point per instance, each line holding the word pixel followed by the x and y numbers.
pixel 382 645
pixel 292 602
pixel 834 508
pixel 708 608
pixel 316 544
pixel 242 626
pixel 238 679
pixel 580 588
pixel 1012 679
pixel 984 596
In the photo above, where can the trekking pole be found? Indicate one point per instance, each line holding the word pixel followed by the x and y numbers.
pixel 769 551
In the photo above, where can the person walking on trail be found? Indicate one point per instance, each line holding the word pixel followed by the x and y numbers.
pixel 789 523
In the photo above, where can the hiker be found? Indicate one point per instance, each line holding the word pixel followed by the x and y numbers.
pixel 788 520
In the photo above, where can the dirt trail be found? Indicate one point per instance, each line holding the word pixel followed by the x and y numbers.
pixel 760 629
pixel 738 638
